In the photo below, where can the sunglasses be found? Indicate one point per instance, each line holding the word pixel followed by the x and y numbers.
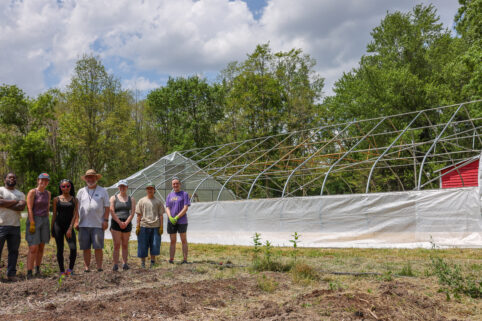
pixel 64 186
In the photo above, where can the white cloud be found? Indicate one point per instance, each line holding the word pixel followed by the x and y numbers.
pixel 180 37
pixel 139 83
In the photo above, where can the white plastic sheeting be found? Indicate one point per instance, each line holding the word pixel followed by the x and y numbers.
pixel 446 218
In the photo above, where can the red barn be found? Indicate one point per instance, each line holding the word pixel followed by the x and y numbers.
pixel 465 175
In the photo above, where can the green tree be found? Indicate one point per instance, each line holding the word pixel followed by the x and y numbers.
pixel 269 93
pixel 402 71
pixel 410 65
pixel 469 27
pixel 95 122
pixel 185 112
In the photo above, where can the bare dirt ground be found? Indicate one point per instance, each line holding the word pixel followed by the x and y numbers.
pixel 208 290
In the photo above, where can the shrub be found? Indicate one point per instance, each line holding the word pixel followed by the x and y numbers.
pixel 303 272
pixel 453 281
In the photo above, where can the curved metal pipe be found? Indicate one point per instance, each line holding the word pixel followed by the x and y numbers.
pixel 387 149
pixel 433 145
pixel 309 158
pixel 348 152
pixel 247 165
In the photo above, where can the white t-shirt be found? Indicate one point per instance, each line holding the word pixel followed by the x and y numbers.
pixel 92 204
pixel 10 217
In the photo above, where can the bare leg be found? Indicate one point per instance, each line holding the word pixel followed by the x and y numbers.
pixel 184 245
pixel 172 249
pixel 98 258
pixel 87 257
pixel 125 246
pixel 117 236
pixel 31 256
pixel 40 254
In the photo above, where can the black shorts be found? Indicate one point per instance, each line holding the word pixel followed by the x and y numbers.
pixel 178 228
pixel 114 226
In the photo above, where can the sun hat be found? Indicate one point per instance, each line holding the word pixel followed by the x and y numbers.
pixel 122 182
pixel 44 175
pixel 91 172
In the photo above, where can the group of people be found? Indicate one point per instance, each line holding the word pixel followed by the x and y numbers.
pixel 88 212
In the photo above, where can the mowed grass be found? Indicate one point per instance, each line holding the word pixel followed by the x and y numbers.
pixel 404 262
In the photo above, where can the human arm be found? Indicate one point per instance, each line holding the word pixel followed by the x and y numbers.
pixel 30 201
pixel 133 211
pixel 54 216
pixel 168 212
pixel 8 203
pixel 161 218
pixel 76 214
pixel 181 213
pixel 139 217
pixel 105 222
pixel 69 230
pixel 112 211
pixel 19 206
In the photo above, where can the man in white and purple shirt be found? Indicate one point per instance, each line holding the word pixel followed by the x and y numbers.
pixel 177 203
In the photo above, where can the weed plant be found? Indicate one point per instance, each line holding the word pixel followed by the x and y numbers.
pixel 407 270
pixel 266 284
pixel 453 281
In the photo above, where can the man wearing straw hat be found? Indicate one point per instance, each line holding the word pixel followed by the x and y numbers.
pixel 93 218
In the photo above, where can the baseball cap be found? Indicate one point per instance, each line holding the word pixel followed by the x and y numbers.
pixel 151 185
pixel 44 175
pixel 122 182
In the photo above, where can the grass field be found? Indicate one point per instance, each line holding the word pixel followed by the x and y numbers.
pixel 239 283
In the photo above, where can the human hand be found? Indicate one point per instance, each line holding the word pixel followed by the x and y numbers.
pixel 122 225
pixel 172 220
pixel 76 226
pixel 104 225
pixel 138 230
pixel 32 228
pixel 160 230
pixel 68 233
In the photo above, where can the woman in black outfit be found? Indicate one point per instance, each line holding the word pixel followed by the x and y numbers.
pixel 65 213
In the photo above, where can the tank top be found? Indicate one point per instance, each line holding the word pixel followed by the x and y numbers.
pixel 122 209
pixel 65 212
pixel 41 203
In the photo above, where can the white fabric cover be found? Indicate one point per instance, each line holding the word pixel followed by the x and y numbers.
pixel 446 218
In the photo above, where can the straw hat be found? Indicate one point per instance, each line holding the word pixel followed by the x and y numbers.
pixel 91 172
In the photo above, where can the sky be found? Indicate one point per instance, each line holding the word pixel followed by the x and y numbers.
pixel 143 42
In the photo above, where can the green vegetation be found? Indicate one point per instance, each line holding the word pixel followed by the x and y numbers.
pixel 454 281
pixel 412 62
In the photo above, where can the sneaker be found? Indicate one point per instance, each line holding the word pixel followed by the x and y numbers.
pixel 100 270
pixel 29 275
pixel 62 274
pixel 12 278
pixel 143 265
pixel 115 268
pixel 125 267
pixel 69 272
pixel 87 271
pixel 171 261
pixel 184 262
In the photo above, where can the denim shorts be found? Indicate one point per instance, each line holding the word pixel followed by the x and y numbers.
pixel 91 237
pixel 148 239
pixel 42 231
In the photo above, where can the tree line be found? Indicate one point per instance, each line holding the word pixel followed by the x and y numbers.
pixel 412 62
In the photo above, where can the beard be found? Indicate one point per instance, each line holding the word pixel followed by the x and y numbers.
pixel 11 184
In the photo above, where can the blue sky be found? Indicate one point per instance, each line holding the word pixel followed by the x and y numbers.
pixel 143 42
